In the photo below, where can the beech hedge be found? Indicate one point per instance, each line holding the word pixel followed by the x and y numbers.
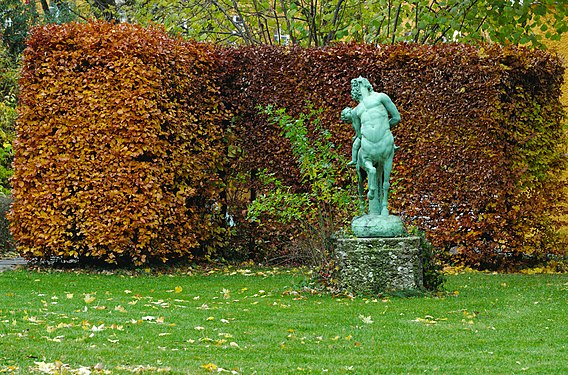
pixel 119 145
pixel 133 145
pixel 481 138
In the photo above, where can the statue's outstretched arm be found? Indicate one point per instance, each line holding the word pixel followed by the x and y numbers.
pixel 349 116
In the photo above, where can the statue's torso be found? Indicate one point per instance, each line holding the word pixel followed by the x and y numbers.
pixel 374 119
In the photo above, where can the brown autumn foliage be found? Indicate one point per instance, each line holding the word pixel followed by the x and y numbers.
pixel 127 148
pixel 119 145
pixel 480 140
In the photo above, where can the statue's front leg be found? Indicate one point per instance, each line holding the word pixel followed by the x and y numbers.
pixel 372 177
pixel 385 210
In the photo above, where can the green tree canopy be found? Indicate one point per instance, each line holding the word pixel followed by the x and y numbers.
pixel 319 22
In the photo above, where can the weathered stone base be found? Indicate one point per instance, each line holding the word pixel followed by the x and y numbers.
pixel 376 265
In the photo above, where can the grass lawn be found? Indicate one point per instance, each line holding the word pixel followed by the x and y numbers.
pixel 255 322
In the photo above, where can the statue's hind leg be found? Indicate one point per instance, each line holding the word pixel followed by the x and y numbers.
pixel 380 182
pixel 387 168
pixel 361 190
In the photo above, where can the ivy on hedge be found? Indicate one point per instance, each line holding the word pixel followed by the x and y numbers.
pixel 119 145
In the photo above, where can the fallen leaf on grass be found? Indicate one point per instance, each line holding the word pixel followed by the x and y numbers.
pixel 33 320
pixel 89 299
pixel 59 367
pixel 209 367
pixel 366 319
pixel 121 309
pixel 9 369
pixel 142 369
pixel 95 328
pixel 430 320
pixel 51 329
pixel 55 339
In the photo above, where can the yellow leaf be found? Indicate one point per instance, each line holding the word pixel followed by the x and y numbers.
pixel 89 299
pixel 211 367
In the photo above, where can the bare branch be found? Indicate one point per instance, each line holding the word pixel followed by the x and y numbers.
pixel 417 35
pixel 287 18
pixel 232 21
pixel 396 23
pixel 335 22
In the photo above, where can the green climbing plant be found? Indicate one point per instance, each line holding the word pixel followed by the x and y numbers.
pixel 325 202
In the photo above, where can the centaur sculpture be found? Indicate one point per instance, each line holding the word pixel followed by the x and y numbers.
pixel 372 154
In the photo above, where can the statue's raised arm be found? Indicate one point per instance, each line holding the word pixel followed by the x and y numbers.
pixel 391 109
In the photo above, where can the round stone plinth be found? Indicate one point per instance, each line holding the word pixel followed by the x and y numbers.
pixel 372 226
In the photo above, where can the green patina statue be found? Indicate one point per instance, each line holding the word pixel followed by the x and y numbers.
pixel 372 154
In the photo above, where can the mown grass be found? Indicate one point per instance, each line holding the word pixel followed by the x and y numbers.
pixel 249 322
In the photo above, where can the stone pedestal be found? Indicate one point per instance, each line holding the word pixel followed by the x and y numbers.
pixel 376 265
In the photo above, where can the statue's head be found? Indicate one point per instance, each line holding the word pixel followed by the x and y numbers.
pixel 356 85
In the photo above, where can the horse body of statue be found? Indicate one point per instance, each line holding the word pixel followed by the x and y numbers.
pixel 373 147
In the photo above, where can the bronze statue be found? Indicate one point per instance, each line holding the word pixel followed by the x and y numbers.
pixel 373 143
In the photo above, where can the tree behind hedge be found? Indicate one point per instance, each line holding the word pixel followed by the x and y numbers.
pixel 119 145
pixel 481 136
